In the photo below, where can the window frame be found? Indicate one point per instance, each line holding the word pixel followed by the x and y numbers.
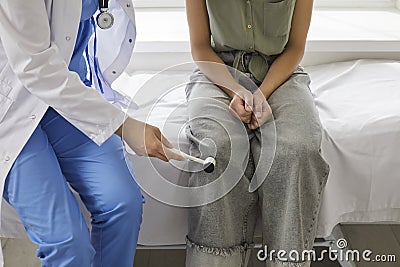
pixel 355 3
pixel 318 3
pixel 159 3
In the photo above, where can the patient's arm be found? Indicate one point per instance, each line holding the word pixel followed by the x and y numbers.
pixel 202 53
pixel 287 62
pixel 205 56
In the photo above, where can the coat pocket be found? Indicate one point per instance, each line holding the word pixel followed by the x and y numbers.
pixel 278 17
pixel 5 104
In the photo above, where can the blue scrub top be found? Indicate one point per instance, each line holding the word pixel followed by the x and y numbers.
pixel 78 61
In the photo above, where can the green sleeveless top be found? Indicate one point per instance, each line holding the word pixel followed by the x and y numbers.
pixel 260 26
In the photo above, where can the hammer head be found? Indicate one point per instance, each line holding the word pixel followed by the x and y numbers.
pixel 209 164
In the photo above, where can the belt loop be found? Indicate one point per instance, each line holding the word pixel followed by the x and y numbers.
pixel 236 62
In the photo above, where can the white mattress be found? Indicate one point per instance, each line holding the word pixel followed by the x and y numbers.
pixel 359 106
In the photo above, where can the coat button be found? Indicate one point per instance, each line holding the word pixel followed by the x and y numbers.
pixel 128 5
pixel 7 158
pixel 33 117
pixel 68 38
pixel 249 26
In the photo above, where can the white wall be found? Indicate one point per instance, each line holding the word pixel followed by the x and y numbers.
pixel 335 35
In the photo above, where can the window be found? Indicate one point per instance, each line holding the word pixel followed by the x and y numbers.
pixel 355 3
pixel 318 3
pixel 159 3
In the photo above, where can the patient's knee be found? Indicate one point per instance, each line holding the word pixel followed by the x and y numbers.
pixel 218 141
pixel 231 148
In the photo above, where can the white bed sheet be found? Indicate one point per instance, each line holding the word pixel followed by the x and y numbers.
pixel 359 106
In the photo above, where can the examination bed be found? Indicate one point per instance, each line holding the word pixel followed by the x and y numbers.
pixel 359 106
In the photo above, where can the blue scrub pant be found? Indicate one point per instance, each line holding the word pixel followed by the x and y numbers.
pixel 37 187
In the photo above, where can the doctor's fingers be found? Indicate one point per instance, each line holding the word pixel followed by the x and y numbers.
pixel 164 148
pixel 155 150
pixel 167 154
pixel 172 154
pixel 162 157
pixel 168 151
pixel 165 141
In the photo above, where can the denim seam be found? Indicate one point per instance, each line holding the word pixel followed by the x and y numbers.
pixel 245 220
pixel 316 209
pixel 224 252
pixel 290 263
pixel 244 230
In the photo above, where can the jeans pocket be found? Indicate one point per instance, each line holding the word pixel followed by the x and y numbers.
pixel 278 17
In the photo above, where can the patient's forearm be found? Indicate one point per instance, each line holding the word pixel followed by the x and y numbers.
pixel 215 70
pixel 281 70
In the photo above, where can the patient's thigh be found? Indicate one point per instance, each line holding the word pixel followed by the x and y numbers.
pixel 229 221
pixel 212 123
pixel 205 98
pixel 294 108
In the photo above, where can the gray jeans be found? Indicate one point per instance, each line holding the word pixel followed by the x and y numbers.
pixel 288 201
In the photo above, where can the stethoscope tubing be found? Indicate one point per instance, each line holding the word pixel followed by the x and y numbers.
pixel 103 4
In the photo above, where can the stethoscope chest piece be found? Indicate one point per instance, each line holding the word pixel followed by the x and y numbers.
pixel 105 20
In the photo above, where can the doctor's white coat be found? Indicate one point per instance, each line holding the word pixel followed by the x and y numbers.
pixel 37 41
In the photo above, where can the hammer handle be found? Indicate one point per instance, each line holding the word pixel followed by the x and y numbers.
pixel 186 156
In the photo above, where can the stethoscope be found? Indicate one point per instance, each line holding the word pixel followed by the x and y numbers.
pixel 105 19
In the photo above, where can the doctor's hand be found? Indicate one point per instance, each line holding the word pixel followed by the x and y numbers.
pixel 261 111
pixel 147 140
pixel 242 105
